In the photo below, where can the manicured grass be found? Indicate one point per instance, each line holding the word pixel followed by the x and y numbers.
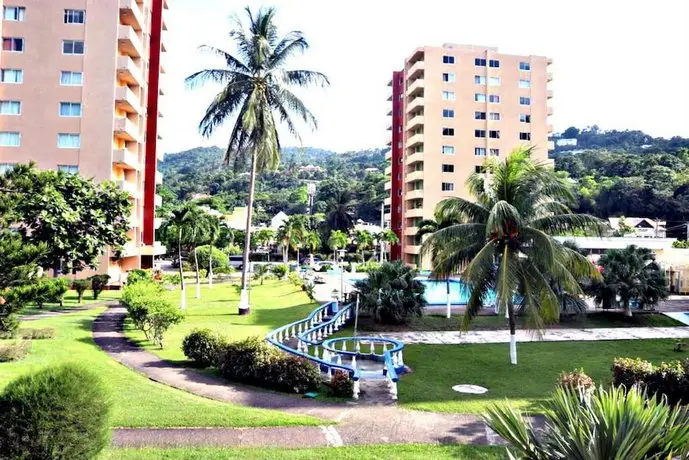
pixel 402 452
pixel 274 304
pixel 70 301
pixel 493 322
pixel 137 401
pixel 436 368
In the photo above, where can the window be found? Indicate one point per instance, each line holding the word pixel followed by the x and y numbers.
pixel 494 63
pixel 448 150
pixel 447 186
pixel 479 151
pixel 525 118
pixel 494 134
pixel 13 44
pixel 448 113
pixel 10 107
pixel 480 62
pixel 12 75
pixel 4 167
pixel 525 83
pixel 13 13
pixel 68 141
pixel 524 101
pixel 448 95
pixel 10 139
pixel 448 131
pixel 72 47
pixel 478 169
pixel 448 168
pixel 479 115
pixel 495 152
pixel 494 81
pixel 449 77
pixel 494 99
pixel 524 66
pixel 479 133
pixel 75 16
pixel 479 97
pixel 524 136
pixel 448 59
pixel 68 78
pixel 479 80
pixel 495 116
pixel 69 169
pixel 70 109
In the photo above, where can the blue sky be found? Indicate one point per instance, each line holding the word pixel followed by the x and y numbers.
pixel 620 64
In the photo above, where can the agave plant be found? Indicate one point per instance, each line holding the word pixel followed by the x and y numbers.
pixel 614 424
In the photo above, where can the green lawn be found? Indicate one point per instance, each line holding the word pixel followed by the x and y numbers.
pixel 274 304
pixel 436 368
pixel 138 402
pixel 378 452
pixel 70 301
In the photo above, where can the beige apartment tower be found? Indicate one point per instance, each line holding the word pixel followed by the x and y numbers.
pixel 79 91
pixel 453 106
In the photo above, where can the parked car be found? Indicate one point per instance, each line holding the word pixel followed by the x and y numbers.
pixel 304 260
pixel 237 262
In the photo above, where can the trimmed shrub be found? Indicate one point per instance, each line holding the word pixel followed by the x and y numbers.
pixel 60 412
pixel 254 362
pixel 202 347
pixel 80 286
pixel 98 284
pixel 49 290
pixel 279 270
pixel 295 279
pixel 220 259
pixel 341 385
pixel 138 276
pixel 150 312
pixel 14 351
pixel 576 380
pixel 667 379
pixel 630 371
pixel 172 279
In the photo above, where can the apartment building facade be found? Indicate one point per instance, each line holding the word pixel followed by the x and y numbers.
pixel 453 106
pixel 79 92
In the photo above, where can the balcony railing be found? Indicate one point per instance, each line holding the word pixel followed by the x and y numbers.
pixel 126 100
pixel 414 212
pixel 130 14
pixel 387 201
pixel 159 177
pixel 411 231
pixel 388 154
pixel 129 42
pixel 126 129
pixel 129 187
pixel 155 249
pixel 414 158
pixel 415 121
pixel 413 194
pixel 417 68
pixel 388 185
pixel 125 159
pixel 413 176
pixel 129 72
pixel 549 93
pixel 414 140
pixel 388 170
pixel 415 103
pixel 157 201
pixel 416 86
pixel 412 249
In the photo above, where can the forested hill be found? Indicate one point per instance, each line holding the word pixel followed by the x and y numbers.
pixel 201 170
pixel 633 141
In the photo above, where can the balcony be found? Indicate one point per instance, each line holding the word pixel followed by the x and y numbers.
pixel 415 121
pixel 416 139
pixel 129 72
pixel 125 159
pixel 416 87
pixel 157 222
pixel 126 129
pixel 416 69
pixel 413 176
pixel 388 185
pixel 411 231
pixel 159 177
pixel 549 76
pixel 388 170
pixel 129 250
pixel 134 221
pixel 126 100
pixel 414 158
pixel 157 201
pixel 549 94
pixel 550 129
pixel 387 201
pixel 551 145
pixel 388 155
pixel 550 111
pixel 413 195
pixel 129 187
pixel 129 42
pixel 155 249
pixel 414 212
pixel 130 14
pixel 414 104
pixel 412 249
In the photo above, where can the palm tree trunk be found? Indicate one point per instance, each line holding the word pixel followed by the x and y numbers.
pixel 198 278
pixel 297 255
pixel 627 308
pixel 183 301
pixel 244 306
pixel 447 286
pixel 210 266
pixel 285 253
pixel 513 333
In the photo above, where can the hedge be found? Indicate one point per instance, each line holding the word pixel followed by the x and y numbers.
pixel 667 379
pixel 150 311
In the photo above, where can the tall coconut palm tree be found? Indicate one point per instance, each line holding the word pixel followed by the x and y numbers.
pixel 363 241
pixel 386 238
pixel 213 229
pixel 336 241
pixel 312 241
pixel 505 241
pixel 178 226
pixel 256 92
pixel 198 235
pixel 339 215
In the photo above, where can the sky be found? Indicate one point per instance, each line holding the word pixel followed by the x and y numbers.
pixel 620 64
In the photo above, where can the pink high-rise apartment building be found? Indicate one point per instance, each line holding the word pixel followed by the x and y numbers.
pixel 452 107
pixel 79 92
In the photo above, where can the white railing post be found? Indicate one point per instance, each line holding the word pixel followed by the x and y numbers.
pixel 344 346
pixel 339 359
pixel 393 391
pixel 355 390
pixel 400 359
pixel 358 346
pixel 353 361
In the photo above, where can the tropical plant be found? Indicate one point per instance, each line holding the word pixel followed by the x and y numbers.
pixel 363 241
pixel 291 235
pixel 198 234
pixel 255 88
pixel 607 425
pixel 264 237
pixel 178 226
pixel 312 241
pixel 386 238
pixel 339 216
pixel 391 293
pixel 212 224
pixel 98 284
pixel 80 286
pixel 336 241
pixel 504 243
pixel 632 275
pixel 261 270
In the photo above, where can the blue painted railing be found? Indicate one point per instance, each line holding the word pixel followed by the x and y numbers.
pixel 311 333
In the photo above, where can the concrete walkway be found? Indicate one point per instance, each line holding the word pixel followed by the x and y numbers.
pixel 356 422
pixel 556 335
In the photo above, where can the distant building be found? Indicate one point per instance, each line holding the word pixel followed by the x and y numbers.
pixel 278 220
pixel 371 170
pixel 311 168
pixel 565 142
pixel 643 227
pixel 200 196
pixel 236 220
